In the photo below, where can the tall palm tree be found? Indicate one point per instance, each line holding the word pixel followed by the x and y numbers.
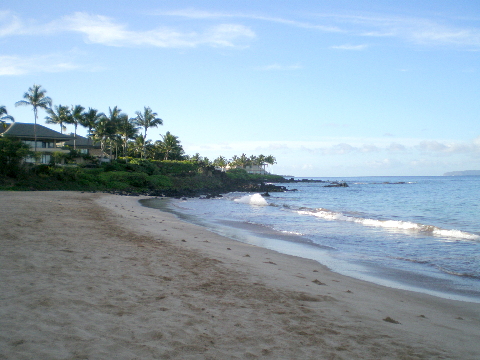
pixel 35 96
pixel 106 127
pixel 75 119
pixel 221 162
pixel 170 146
pixel 127 130
pixel 59 115
pixel 147 119
pixel 90 118
pixel 4 116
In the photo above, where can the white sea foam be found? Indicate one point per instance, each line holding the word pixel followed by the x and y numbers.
pixel 455 234
pixel 255 199
pixel 392 224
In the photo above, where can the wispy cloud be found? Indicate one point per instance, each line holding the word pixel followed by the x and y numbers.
pixel 99 29
pixel 9 24
pixel 433 146
pixel 17 65
pixel 350 47
pixel 200 14
pixel 424 31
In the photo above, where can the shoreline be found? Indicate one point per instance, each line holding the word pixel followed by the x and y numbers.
pixel 97 275
pixel 299 246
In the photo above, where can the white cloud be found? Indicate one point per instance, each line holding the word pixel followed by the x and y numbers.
pixel 9 24
pixel 195 14
pixel 396 147
pixel 417 30
pixel 103 30
pixel 369 149
pixel 449 148
pixel 16 65
pixel 99 29
pixel 339 149
pixel 350 47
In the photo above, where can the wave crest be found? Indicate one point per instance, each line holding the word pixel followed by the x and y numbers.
pixel 392 224
pixel 255 199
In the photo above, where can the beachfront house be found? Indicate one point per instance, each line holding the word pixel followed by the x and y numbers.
pixel 84 146
pixel 255 169
pixel 48 140
pixel 251 169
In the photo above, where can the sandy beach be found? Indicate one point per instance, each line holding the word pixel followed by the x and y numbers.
pixel 98 276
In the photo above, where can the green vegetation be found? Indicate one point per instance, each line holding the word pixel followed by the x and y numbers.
pixel 129 161
pixel 139 176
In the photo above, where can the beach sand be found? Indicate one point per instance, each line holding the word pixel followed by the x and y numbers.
pixel 98 276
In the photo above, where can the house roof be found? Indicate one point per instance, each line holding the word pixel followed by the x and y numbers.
pixel 81 141
pixel 26 131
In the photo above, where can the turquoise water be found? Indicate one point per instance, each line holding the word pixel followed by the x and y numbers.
pixel 418 233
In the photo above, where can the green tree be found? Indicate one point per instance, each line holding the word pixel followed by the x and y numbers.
pixel 270 159
pixel 89 120
pixel 127 130
pixel 59 115
pixel 220 162
pixel 147 119
pixel 241 161
pixel 4 116
pixel 170 147
pixel 35 96
pixel 136 147
pixel 75 119
pixel 106 129
pixel 12 152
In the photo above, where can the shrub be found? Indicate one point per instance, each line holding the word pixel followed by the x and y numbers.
pixel 117 185
pixel 160 181
pixel 137 179
pixel 238 174
pixel 12 151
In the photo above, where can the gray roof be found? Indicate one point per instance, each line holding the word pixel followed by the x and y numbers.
pixel 26 131
pixel 81 141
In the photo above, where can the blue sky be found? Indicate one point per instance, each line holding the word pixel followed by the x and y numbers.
pixel 330 88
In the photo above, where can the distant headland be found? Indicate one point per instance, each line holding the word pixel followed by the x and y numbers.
pixel 463 173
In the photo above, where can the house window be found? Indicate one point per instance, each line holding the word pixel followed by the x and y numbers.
pixel 40 144
pixel 44 159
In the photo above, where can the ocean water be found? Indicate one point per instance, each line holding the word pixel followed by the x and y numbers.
pixel 415 233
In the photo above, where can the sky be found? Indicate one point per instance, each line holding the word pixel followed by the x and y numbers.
pixel 330 88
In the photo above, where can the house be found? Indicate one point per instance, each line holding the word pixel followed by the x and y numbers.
pixel 255 169
pixel 251 169
pixel 48 140
pixel 85 146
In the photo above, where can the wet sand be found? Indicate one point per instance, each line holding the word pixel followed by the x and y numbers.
pixel 96 276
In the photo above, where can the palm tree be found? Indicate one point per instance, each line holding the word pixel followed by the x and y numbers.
pixel 170 146
pixel 90 118
pixel 35 96
pixel 106 127
pixel 136 147
pixel 4 116
pixel 147 119
pixel 75 119
pixel 127 130
pixel 221 162
pixel 104 130
pixel 58 115
pixel 270 159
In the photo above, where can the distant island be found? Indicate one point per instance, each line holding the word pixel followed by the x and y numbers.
pixel 463 173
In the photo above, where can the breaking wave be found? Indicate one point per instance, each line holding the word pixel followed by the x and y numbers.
pixel 392 224
pixel 255 199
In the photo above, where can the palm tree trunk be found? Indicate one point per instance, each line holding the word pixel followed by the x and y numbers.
pixel 35 129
